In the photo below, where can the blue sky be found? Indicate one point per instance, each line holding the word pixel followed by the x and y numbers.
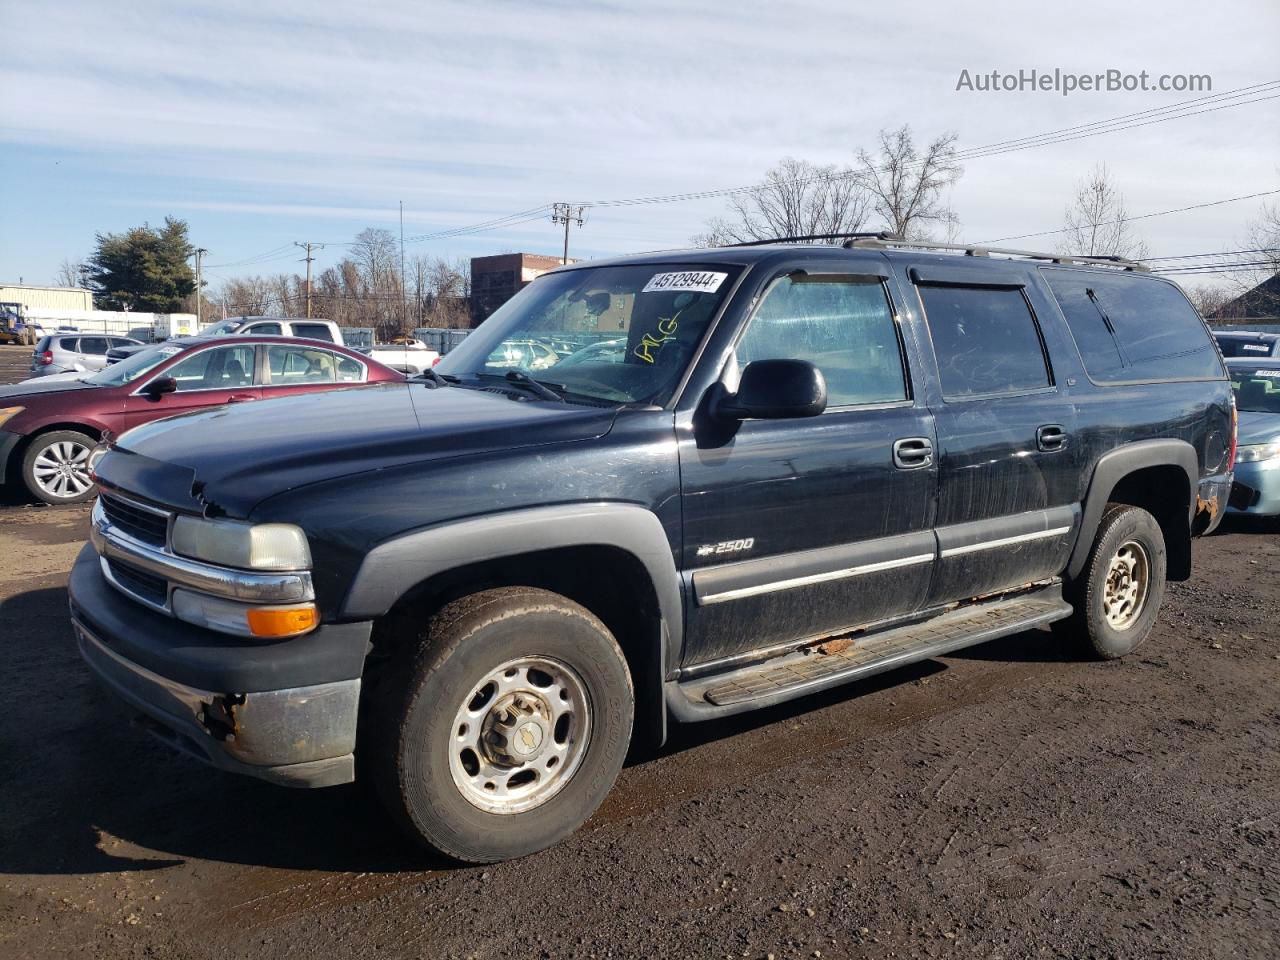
pixel 262 123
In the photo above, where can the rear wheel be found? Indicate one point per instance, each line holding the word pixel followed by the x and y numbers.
pixel 55 467
pixel 505 725
pixel 1118 593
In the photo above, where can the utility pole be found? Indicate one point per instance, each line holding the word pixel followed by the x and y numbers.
pixel 308 258
pixel 200 252
pixel 404 290
pixel 567 213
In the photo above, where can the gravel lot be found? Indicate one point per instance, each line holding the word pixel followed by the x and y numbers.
pixel 1007 802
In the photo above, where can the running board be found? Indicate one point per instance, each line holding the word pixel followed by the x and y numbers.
pixel 808 670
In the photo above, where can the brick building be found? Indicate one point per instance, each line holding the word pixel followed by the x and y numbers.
pixel 496 279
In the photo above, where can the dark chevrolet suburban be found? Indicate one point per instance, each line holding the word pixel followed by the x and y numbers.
pixel 809 464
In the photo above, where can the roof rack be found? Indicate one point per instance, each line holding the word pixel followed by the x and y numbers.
pixel 890 241
pixel 848 237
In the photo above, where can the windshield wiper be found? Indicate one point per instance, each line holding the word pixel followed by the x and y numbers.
pixel 519 378
pixel 437 379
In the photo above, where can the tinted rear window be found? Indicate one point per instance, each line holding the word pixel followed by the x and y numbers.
pixel 1242 347
pixel 1131 328
pixel 312 331
pixel 70 344
pixel 986 341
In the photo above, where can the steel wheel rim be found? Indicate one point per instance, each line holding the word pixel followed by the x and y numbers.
pixel 61 469
pixel 520 735
pixel 1128 582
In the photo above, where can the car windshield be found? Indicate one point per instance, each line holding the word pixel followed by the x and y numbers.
pixel 598 334
pixel 1245 347
pixel 1257 390
pixel 134 366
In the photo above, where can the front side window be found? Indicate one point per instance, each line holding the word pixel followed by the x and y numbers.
pixel 653 316
pixel 844 328
pixel 218 368
pixel 985 339
pixel 93 345
pixel 265 329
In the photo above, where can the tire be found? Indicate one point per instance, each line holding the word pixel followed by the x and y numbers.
pixel 43 467
pixel 1090 628
pixel 436 740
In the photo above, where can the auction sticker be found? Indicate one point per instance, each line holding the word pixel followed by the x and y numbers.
pixel 697 281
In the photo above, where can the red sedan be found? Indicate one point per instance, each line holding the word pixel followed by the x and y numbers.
pixel 49 427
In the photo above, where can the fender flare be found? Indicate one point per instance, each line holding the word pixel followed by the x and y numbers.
pixel 1112 467
pixel 395 566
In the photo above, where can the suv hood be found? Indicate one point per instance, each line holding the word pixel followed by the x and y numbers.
pixel 231 458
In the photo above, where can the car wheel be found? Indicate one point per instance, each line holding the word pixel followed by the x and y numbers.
pixel 505 726
pixel 1118 593
pixel 55 467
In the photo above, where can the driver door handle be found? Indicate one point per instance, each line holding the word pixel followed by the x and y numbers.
pixel 911 453
pixel 241 398
pixel 1051 437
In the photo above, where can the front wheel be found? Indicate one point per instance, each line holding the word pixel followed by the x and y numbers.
pixel 1118 593
pixel 505 725
pixel 55 467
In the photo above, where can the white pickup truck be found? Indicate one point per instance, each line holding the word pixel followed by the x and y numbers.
pixel 408 356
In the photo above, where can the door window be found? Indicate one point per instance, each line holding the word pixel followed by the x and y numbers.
pixel 265 329
pixel 218 368
pixel 291 365
pixel 986 341
pixel 845 328
pixel 93 345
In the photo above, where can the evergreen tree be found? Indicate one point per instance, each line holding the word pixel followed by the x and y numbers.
pixel 143 269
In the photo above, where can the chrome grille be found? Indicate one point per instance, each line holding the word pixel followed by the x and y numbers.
pixel 143 585
pixel 141 523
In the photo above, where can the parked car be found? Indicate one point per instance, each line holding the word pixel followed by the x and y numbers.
pixel 310 329
pixel 809 465
pixel 611 351
pixel 1247 343
pixel 406 355
pixel 523 355
pixel 74 352
pixel 48 427
pixel 1257 468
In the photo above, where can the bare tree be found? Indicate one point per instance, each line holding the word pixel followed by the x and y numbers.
pixel 71 273
pixel 796 199
pixel 906 183
pixel 1260 263
pixel 1208 299
pixel 1097 222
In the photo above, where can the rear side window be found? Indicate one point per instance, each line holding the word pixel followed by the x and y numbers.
pixel 69 344
pixel 986 341
pixel 93 345
pixel 312 331
pixel 264 329
pixel 844 328
pixel 1131 328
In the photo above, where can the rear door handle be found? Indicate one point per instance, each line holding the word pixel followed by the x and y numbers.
pixel 911 453
pixel 1051 437
pixel 241 398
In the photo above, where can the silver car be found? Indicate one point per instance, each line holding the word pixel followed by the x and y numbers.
pixel 74 352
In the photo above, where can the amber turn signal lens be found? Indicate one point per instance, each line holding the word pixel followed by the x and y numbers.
pixel 282 622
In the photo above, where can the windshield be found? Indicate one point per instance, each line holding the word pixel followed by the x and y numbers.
pixel 1244 347
pixel 1257 391
pixel 613 334
pixel 133 366
pixel 225 326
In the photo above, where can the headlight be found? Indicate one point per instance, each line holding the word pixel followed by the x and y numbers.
pixel 8 413
pixel 229 543
pixel 1254 452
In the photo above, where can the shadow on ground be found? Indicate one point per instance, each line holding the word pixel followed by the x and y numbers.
pixel 87 792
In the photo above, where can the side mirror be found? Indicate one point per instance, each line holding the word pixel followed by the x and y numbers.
pixel 160 386
pixel 775 390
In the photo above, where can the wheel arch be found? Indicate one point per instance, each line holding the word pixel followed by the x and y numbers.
pixel 613 559
pixel 1158 475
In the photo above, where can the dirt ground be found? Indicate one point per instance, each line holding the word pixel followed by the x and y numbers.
pixel 1008 802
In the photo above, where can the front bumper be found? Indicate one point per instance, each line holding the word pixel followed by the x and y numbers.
pixel 1258 488
pixel 283 712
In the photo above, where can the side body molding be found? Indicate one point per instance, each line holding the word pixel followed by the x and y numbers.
pixel 1114 466
pixel 392 568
